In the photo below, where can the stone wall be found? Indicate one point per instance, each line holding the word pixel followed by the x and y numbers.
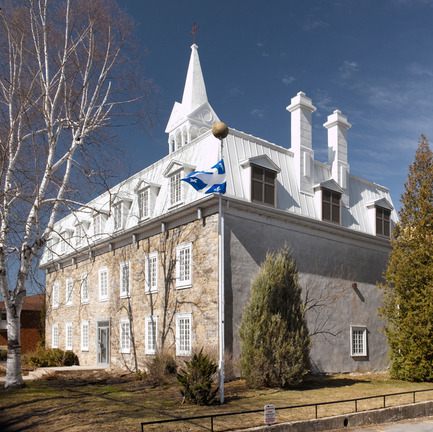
pixel 201 299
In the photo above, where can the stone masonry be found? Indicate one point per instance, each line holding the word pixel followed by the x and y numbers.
pixel 200 299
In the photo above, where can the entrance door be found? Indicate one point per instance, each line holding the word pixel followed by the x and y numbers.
pixel 103 343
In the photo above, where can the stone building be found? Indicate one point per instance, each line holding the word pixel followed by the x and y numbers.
pixel 135 271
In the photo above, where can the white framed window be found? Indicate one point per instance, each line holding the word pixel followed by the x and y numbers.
pixel 358 341
pixel 125 279
pixel 175 189
pixel 62 244
pixel 117 215
pixel 143 203
pixel 85 336
pixel 56 293
pixel 78 235
pixel 55 336
pixel 69 291
pixel 125 336
pixel 184 265
pixel 151 335
pixel 84 288
pixel 103 283
pixel 183 334
pixel 68 342
pixel 97 224
pixel 152 272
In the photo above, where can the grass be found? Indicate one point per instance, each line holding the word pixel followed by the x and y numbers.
pixel 75 402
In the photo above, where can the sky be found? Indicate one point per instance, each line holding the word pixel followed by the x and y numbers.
pixel 371 59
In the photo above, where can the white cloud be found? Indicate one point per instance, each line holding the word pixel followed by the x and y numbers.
pixel 419 70
pixel 313 25
pixel 258 113
pixel 348 68
pixel 288 79
pixel 260 44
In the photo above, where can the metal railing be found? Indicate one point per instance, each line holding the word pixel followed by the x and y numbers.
pixel 315 405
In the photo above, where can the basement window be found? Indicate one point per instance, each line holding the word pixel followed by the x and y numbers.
pixel 358 341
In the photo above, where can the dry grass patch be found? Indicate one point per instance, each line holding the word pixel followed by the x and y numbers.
pixel 77 401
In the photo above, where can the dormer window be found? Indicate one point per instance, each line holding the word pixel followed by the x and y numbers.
pixel 78 235
pixel 383 221
pixel 98 223
pixel 331 206
pixel 263 185
pixel 259 178
pixel 175 189
pixel 117 214
pixel 379 214
pixel 143 203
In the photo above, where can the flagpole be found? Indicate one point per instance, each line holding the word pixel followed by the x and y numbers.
pixel 220 131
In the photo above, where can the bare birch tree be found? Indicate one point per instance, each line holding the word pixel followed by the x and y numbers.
pixel 61 64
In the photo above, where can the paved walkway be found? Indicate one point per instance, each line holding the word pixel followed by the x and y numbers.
pixel 40 372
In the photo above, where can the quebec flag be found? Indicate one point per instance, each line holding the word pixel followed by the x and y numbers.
pixel 210 181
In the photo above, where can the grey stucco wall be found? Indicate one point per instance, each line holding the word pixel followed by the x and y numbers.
pixel 339 269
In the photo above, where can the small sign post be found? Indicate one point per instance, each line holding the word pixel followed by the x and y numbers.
pixel 269 414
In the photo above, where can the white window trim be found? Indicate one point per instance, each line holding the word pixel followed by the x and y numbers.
pixel 180 188
pixel 144 214
pixel 68 341
pixel 148 288
pixel 364 352
pixel 69 291
pixel 153 349
pixel 103 297
pixel 56 293
pixel 124 349
pixel 123 293
pixel 188 282
pixel 84 280
pixel 55 336
pixel 84 342
pixel 118 216
pixel 179 351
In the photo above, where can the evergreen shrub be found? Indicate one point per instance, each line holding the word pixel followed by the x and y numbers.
pixel 196 381
pixel 52 357
pixel 275 343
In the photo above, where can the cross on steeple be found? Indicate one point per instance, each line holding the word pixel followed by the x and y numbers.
pixel 194 31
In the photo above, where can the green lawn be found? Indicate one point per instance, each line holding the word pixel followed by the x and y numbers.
pixel 98 401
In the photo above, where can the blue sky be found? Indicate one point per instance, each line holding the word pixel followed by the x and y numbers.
pixel 372 59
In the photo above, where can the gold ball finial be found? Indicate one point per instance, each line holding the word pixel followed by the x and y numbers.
pixel 220 130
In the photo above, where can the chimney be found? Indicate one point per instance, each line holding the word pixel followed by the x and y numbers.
pixel 301 140
pixel 338 126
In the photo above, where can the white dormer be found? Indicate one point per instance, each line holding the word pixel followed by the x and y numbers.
pixel 146 193
pixel 259 179
pixel 174 172
pixel 194 116
pixel 379 216
pixel 120 211
pixel 327 197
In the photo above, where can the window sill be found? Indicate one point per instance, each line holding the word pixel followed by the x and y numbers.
pixel 180 287
pixel 85 302
pixel 103 299
pixel 151 291
pixel 173 206
pixel 125 296
pixel 84 349
pixel 358 355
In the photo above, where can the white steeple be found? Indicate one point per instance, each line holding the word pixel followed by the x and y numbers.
pixel 194 115
pixel 194 93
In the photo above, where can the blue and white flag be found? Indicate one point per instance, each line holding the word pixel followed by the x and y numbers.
pixel 210 181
